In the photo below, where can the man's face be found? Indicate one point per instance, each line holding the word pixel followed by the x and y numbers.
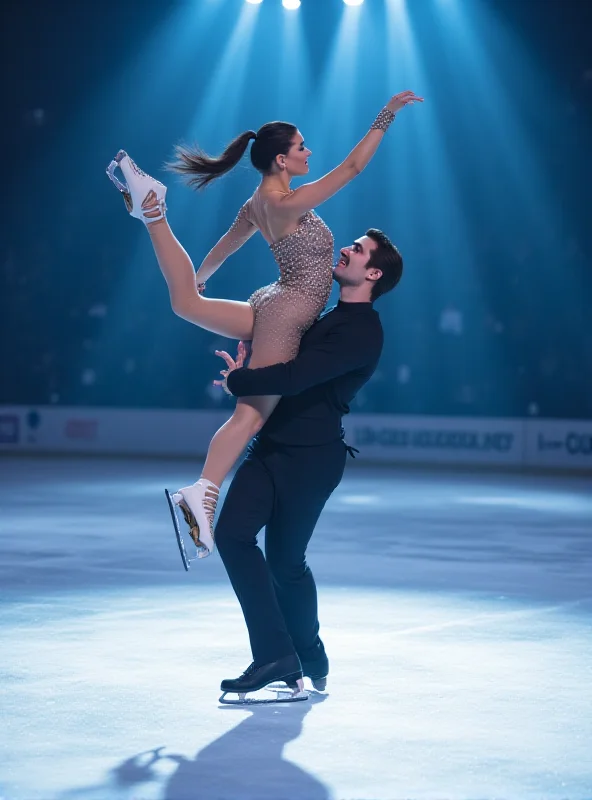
pixel 351 269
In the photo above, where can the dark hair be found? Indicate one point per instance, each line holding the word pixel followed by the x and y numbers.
pixel 388 260
pixel 199 169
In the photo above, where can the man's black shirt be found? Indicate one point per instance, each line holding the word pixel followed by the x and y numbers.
pixel 337 355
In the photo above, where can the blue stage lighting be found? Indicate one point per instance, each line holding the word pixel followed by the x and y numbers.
pixel 353 2
pixel 254 2
pixel 291 4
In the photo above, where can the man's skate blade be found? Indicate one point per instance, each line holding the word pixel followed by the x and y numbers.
pixel 319 685
pixel 262 698
pixel 181 544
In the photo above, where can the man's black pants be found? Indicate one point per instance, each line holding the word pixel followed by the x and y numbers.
pixel 284 489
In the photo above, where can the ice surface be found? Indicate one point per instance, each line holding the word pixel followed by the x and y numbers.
pixel 459 641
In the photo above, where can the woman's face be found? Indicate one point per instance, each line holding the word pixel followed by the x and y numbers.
pixel 296 159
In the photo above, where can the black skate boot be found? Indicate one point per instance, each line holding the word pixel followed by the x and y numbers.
pixel 287 670
pixel 315 665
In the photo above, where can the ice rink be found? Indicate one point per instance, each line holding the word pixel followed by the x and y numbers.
pixel 455 608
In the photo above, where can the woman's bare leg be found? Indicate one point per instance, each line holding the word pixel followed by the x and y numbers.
pixel 225 317
pixel 231 439
pixel 250 414
pixel 229 318
pixel 198 501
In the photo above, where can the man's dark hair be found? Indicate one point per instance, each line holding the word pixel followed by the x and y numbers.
pixel 388 260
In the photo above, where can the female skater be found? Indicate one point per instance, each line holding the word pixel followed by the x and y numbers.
pixel 276 316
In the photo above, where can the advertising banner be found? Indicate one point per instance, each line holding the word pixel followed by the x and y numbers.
pixel 559 443
pixel 436 440
pixel 548 444
pixel 108 430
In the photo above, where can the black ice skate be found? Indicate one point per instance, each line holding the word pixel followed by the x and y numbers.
pixel 315 665
pixel 317 671
pixel 287 670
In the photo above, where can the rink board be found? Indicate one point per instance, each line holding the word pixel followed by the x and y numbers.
pixel 392 439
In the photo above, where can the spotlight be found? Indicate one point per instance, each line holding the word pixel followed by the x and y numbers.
pixel 254 2
pixel 353 2
pixel 291 4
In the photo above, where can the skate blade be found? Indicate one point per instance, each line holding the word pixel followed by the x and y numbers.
pixel 319 685
pixel 122 186
pixel 262 698
pixel 187 559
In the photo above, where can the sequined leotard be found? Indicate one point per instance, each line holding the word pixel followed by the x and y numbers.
pixel 285 309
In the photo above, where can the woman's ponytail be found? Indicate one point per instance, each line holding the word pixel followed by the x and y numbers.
pixel 198 169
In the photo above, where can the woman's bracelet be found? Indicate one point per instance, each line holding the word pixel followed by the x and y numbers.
pixel 383 120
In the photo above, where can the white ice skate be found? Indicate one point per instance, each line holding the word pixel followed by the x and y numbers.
pixel 137 187
pixel 198 506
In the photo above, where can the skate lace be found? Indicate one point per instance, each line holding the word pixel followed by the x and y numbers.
pixel 210 501
pixel 249 670
pixel 137 169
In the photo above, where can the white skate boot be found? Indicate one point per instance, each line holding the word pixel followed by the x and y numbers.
pixel 198 505
pixel 137 188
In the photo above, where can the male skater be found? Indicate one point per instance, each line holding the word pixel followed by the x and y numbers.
pixel 294 464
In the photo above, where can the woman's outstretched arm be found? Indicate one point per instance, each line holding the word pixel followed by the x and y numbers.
pixel 240 231
pixel 313 194
pixel 176 266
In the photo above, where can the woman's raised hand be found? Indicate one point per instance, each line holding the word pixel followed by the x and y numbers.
pixel 397 102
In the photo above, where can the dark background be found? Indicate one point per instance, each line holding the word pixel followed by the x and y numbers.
pixel 486 190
